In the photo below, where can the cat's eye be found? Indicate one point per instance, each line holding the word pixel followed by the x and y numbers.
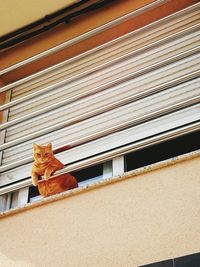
pixel 46 154
pixel 38 154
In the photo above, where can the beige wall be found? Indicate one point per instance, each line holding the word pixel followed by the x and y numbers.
pixel 143 219
pixel 11 12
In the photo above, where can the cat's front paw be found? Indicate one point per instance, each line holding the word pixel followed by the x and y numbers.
pixel 48 172
pixel 34 177
pixel 35 183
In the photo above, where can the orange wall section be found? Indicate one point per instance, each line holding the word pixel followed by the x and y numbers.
pixel 84 24
pixel 63 33
pixel 2 101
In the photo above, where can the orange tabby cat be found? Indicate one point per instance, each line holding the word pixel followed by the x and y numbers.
pixel 57 184
pixel 45 163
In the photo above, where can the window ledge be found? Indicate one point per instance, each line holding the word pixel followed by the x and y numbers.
pixel 101 183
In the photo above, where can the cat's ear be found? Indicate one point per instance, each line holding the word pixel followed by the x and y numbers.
pixel 35 146
pixel 49 145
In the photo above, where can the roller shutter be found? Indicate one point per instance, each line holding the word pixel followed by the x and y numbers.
pixel 135 87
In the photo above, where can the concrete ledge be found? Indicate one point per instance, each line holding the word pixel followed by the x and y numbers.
pixel 103 182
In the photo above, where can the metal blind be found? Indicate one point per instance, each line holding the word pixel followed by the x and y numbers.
pixel 137 86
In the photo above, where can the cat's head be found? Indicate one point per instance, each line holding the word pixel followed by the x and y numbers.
pixel 42 154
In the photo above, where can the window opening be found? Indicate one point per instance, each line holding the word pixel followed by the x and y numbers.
pixel 33 194
pixel 93 174
pixel 192 260
pixel 163 151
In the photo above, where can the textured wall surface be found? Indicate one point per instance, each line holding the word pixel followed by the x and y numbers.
pixel 143 219
pixel 18 13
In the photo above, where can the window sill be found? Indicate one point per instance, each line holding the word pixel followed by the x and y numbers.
pixel 86 188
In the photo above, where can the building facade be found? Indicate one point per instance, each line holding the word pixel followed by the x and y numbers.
pixel 116 91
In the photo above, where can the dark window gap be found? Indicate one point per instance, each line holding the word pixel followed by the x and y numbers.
pixel 33 192
pixel 88 173
pixel 192 260
pixel 163 151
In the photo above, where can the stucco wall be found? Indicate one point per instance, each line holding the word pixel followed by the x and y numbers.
pixel 143 219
